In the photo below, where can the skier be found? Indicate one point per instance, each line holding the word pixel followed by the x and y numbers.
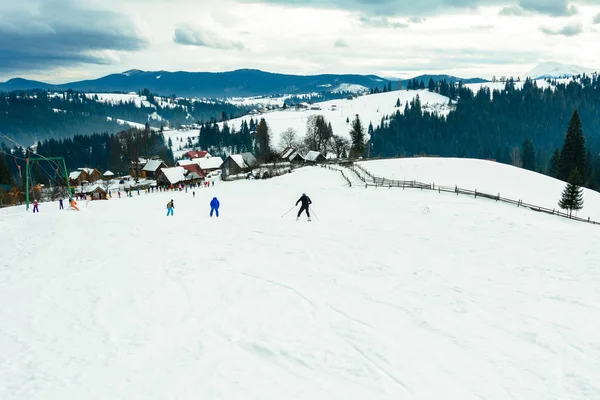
pixel 306 201
pixel 214 206
pixel 60 204
pixel 35 207
pixel 170 207
pixel 194 194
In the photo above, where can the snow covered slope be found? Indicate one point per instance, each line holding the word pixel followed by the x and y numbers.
pixel 370 108
pixel 485 176
pixel 375 299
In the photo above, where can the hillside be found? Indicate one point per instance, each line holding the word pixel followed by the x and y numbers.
pixel 243 82
pixel 484 176
pixel 557 70
pixel 374 299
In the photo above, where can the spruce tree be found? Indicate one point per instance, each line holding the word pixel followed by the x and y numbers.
pixel 263 140
pixel 357 135
pixel 572 155
pixel 528 155
pixel 572 196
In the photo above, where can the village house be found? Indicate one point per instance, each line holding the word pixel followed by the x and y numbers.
pixel 237 164
pixel 314 157
pixel 108 175
pixel 171 176
pixel 193 173
pixel 84 175
pixel 193 154
pixel 291 155
pixel 208 165
pixel 97 192
pixel 152 168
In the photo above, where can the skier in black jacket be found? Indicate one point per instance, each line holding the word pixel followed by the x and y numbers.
pixel 305 203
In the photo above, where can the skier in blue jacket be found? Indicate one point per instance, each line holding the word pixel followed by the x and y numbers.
pixel 214 206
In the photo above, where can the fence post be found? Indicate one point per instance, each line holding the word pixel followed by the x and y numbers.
pixel 456 189
pixel 475 193
pixel 498 197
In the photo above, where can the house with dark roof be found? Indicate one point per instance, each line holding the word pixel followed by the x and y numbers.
pixel 237 164
pixel 291 155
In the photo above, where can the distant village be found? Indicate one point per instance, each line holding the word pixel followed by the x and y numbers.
pixel 195 168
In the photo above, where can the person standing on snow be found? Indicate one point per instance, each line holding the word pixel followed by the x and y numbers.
pixel 306 201
pixel 214 206
pixel 60 204
pixel 35 207
pixel 170 207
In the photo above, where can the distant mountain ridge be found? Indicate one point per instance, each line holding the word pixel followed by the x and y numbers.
pixel 557 70
pixel 238 83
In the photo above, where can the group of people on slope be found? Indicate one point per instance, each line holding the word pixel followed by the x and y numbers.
pixel 214 207
pixel 215 204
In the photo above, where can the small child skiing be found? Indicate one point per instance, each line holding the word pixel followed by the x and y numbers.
pixel 35 207
pixel 170 207
pixel 214 206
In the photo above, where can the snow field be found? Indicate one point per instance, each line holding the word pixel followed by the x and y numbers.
pixel 373 299
pixel 484 176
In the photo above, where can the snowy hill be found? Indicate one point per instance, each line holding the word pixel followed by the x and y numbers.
pixel 374 299
pixel 371 108
pixel 485 176
pixel 557 70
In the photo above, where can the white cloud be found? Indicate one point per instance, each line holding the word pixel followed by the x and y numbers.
pixel 304 39
pixel 198 36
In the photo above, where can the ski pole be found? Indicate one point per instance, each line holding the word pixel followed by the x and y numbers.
pixel 288 212
pixel 315 214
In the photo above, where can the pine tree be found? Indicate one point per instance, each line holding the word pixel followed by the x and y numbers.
pixel 398 104
pixel 357 135
pixel 572 196
pixel 554 163
pixel 572 155
pixel 431 85
pixel 528 155
pixel 263 140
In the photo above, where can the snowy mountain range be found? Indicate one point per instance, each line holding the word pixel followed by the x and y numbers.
pixel 557 70
pixel 238 83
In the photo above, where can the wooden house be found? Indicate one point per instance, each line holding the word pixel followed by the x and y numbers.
pixel 291 155
pixel 237 164
pixel 97 192
pixel 193 154
pixel 315 157
pixel 152 168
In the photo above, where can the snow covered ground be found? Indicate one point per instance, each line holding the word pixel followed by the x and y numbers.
pixel 375 299
pixel 484 176
pixel 371 108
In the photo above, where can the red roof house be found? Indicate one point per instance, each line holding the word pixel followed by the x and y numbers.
pixel 192 154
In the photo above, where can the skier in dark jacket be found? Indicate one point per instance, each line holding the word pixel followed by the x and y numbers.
pixel 214 206
pixel 305 200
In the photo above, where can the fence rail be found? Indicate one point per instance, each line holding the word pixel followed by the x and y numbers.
pixel 378 182
pixel 339 170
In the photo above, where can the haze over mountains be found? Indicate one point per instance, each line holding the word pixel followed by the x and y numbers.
pixel 238 83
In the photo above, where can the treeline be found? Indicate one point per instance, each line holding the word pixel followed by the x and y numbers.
pixel 29 116
pixel 495 124
pixel 113 152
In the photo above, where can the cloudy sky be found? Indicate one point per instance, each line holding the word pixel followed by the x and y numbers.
pixel 62 40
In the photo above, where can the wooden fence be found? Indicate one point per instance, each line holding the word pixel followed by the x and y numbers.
pixel 377 182
pixel 330 167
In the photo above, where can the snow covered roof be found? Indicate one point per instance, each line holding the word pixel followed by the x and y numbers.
pixel 109 173
pixel 209 163
pixel 88 171
pixel 174 174
pixel 152 165
pixel 288 152
pixel 313 155
pixel 239 160
pixel 249 159
pixel 74 175
pixel 182 163
pixel 93 188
